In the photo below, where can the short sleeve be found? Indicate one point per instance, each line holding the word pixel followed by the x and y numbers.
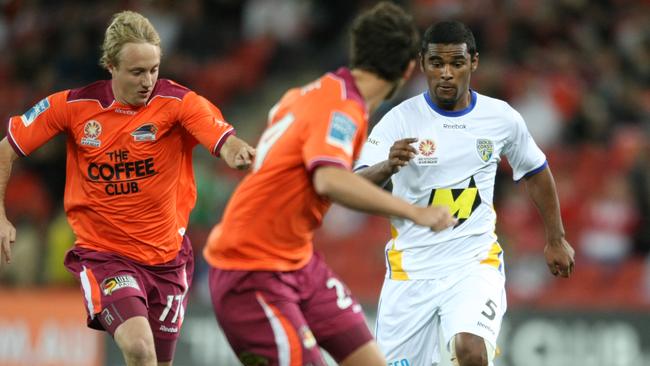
pixel 523 154
pixel 204 121
pixel 335 139
pixel 377 146
pixel 39 124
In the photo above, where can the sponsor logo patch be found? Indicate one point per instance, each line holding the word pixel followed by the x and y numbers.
pixel 454 126
pixel 485 148
pixel 34 112
pixel 426 149
pixel 146 132
pixel 92 130
pixel 113 284
pixel 341 132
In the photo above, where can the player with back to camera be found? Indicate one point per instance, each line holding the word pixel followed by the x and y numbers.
pixel 443 147
pixel 129 187
pixel 275 299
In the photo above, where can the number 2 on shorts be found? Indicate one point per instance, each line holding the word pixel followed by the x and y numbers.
pixel 343 301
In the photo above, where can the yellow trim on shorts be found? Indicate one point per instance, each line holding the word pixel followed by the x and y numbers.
pixel 493 256
pixel 394 257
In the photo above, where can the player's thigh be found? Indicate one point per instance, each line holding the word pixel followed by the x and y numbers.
pixel 407 323
pixel 167 301
pixel 105 282
pixel 475 304
pixel 335 318
pixel 262 320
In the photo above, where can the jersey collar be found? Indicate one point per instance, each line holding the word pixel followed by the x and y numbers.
pixel 446 113
pixel 351 90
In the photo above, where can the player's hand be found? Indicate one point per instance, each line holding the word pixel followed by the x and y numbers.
pixel 237 153
pixel 401 153
pixel 437 218
pixel 7 238
pixel 244 157
pixel 559 257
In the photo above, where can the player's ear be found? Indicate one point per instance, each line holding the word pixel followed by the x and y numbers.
pixel 110 68
pixel 409 70
pixel 475 62
pixel 421 61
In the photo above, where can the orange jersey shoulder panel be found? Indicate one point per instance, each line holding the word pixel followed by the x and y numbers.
pixel 269 221
pixel 129 180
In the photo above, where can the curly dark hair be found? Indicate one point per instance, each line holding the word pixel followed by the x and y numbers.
pixel 449 32
pixel 383 41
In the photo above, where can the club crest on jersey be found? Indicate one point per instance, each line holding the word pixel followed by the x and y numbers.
pixel 146 132
pixel 92 130
pixel 35 111
pixel 113 284
pixel 341 132
pixel 426 149
pixel 485 148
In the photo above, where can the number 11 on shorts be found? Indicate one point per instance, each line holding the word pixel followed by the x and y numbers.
pixel 179 308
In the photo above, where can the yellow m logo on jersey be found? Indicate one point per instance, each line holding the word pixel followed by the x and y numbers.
pixel 461 201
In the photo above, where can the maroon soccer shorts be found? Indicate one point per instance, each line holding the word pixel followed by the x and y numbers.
pixel 116 288
pixel 280 318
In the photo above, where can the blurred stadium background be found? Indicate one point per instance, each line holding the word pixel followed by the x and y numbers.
pixel 578 71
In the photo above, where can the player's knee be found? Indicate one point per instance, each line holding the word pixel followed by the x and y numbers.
pixel 135 340
pixel 139 349
pixel 470 351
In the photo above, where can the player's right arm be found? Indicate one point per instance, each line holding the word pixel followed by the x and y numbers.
pixel 385 151
pixel 350 190
pixel 26 133
pixel 399 155
pixel 7 230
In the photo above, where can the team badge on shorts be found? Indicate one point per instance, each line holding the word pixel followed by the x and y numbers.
pixel 112 284
pixel 485 148
pixel 92 130
pixel 308 339
pixel 146 132
pixel 426 149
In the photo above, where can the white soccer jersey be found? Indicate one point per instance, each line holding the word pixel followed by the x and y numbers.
pixel 456 163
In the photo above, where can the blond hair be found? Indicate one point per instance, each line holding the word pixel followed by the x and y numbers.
pixel 126 27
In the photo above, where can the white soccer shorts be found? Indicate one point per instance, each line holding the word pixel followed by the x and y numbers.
pixel 413 314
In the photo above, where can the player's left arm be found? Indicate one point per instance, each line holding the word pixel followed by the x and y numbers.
pixel 206 123
pixel 237 153
pixel 558 252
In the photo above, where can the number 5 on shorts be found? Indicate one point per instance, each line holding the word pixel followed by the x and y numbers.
pixel 491 305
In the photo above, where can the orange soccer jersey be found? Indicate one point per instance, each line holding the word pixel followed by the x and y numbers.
pixel 269 221
pixel 129 180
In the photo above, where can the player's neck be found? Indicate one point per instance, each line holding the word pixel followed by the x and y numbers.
pixel 373 89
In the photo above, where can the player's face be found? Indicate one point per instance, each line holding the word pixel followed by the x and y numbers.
pixel 448 68
pixel 136 74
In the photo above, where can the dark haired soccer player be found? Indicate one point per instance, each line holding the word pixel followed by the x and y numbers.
pixel 274 298
pixel 443 148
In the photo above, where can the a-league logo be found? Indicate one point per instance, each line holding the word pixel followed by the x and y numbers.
pixel 427 147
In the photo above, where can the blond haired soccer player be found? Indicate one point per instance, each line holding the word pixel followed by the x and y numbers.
pixel 275 299
pixel 442 147
pixel 129 187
